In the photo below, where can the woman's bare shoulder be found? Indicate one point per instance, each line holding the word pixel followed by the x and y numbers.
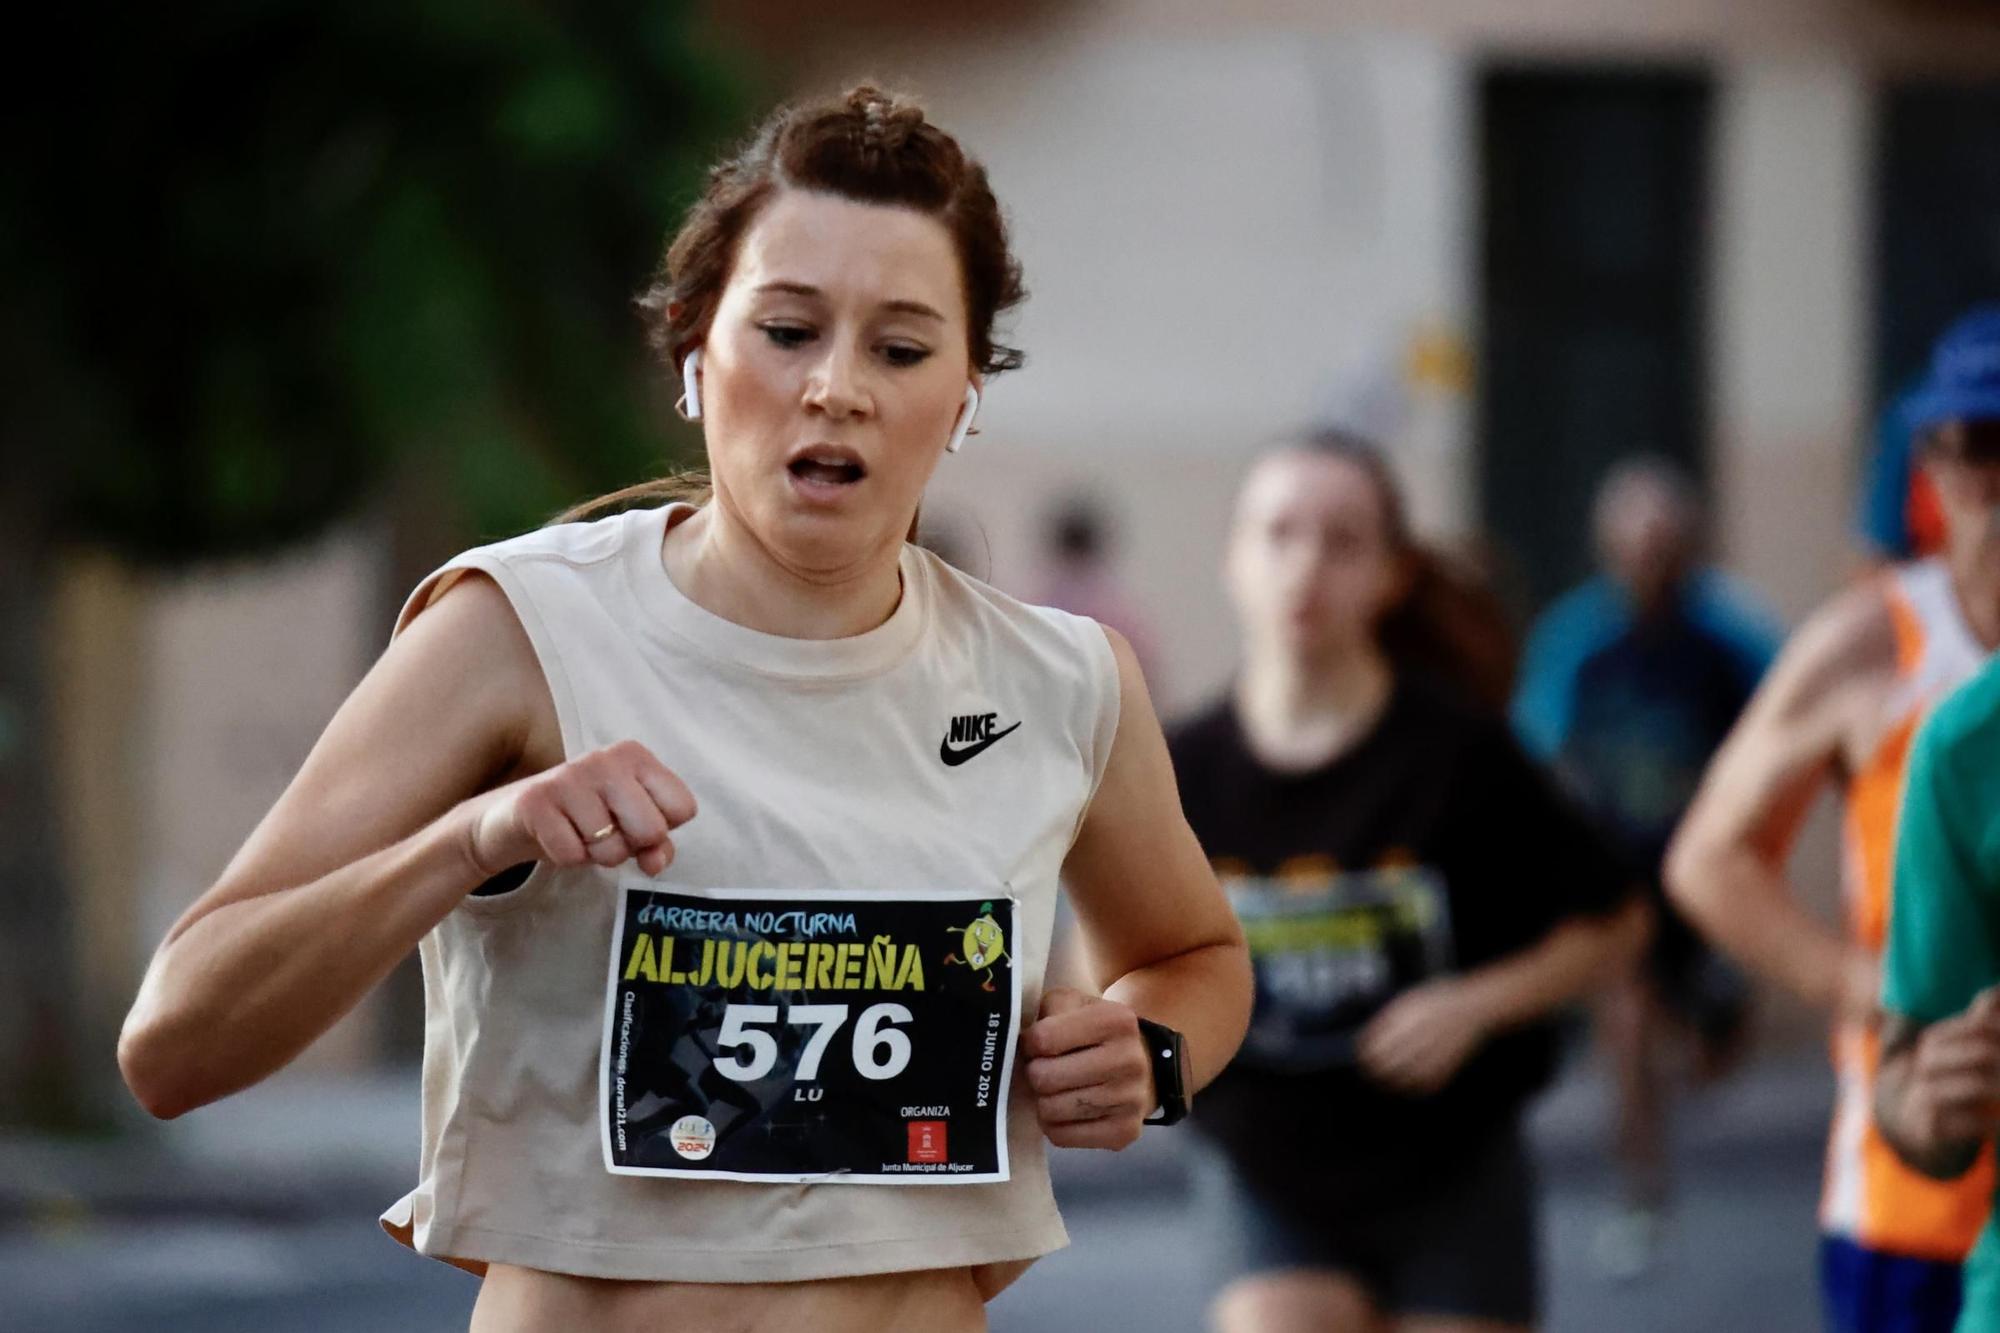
pixel 467 653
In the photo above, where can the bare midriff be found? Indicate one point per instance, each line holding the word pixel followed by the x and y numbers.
pixel 527 1300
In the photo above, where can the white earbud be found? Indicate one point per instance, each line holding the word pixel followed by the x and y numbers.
pixel 965 416
pixel 690 404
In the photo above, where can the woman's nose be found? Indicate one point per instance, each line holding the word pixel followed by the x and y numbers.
pixel 837 388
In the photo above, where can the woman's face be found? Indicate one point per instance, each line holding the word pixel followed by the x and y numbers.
pixel 1310 565
pixel 831 376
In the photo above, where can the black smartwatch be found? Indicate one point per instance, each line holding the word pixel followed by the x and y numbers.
pixel 1168 1054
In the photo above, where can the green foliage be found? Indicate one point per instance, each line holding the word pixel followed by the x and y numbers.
pixel 264 251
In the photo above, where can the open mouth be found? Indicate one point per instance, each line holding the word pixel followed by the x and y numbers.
pixel 828 467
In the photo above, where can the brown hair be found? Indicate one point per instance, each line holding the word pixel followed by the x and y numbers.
pixel 867 145
pixel 1449 624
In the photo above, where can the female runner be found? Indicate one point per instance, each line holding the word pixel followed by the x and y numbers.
pixel 1415 899
pixel 730 832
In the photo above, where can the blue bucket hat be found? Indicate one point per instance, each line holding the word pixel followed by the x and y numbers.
pixel 1964 379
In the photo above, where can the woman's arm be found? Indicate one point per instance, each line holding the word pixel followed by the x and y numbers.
pixel 1573 959
pixel 377 838
pixel 1543 911
pixel 1159 938
pixel 1423 1037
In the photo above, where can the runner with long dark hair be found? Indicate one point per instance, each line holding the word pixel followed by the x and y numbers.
pixel 1417 901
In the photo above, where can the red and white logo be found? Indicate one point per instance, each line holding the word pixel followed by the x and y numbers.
pixel 927 1141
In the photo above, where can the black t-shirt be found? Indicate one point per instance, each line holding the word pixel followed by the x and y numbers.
pixel 1431 847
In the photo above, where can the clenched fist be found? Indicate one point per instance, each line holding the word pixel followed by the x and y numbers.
pixel 607 807
pixel 1088 1067
pixel 1954 1086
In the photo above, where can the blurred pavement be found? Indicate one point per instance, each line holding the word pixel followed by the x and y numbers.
pixel 259 1213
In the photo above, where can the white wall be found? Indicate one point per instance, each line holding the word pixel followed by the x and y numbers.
pixel 1790 312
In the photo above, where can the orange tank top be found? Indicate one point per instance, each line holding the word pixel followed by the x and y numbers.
pixel 1870 1197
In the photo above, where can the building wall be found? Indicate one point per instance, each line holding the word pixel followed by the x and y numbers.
pixel 1790 310
pixel 186 704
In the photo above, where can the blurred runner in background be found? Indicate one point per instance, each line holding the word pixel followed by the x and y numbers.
pixel 1938 1098
pixel 1841 705
pixel 1629 684
pixel 1418 901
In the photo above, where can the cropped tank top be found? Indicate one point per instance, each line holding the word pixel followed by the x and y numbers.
pixel 955 747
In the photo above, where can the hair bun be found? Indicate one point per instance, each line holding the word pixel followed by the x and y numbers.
pixel 887 121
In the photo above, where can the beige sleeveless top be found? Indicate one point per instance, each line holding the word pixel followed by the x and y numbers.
pixel 818 769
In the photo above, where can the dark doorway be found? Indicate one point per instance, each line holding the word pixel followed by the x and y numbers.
pixel 1591 331
pixel 1937 218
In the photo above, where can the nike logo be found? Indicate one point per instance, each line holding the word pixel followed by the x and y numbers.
pixel 971 734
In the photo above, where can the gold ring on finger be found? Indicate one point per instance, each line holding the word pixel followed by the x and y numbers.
pixel 604 832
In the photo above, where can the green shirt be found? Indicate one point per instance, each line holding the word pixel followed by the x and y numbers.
pixel 1944 908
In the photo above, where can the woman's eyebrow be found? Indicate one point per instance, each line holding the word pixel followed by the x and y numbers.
pixel 913 308
pixel 903 306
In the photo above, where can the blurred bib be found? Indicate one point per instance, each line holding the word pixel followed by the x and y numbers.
pixel 1330 950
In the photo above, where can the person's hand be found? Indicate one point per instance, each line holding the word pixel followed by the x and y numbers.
pixel 1954 1087
pixel 605 808
pixel 1088 1067
pixel 1422 1037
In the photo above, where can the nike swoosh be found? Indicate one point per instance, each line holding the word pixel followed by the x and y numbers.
pixel 953 758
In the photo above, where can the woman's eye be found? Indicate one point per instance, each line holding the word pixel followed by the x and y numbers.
pixel 902 354
pixel 788 335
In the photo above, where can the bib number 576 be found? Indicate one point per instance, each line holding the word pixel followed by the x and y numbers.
pixel 881 1051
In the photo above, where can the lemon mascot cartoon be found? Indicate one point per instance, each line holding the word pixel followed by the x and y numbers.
pixel 984 942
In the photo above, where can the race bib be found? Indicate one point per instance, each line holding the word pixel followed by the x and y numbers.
pixel 1329 950
pixel 757 1034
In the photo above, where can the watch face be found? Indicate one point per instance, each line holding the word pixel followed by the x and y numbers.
pixel 1166 1050
pixel 1169 1063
